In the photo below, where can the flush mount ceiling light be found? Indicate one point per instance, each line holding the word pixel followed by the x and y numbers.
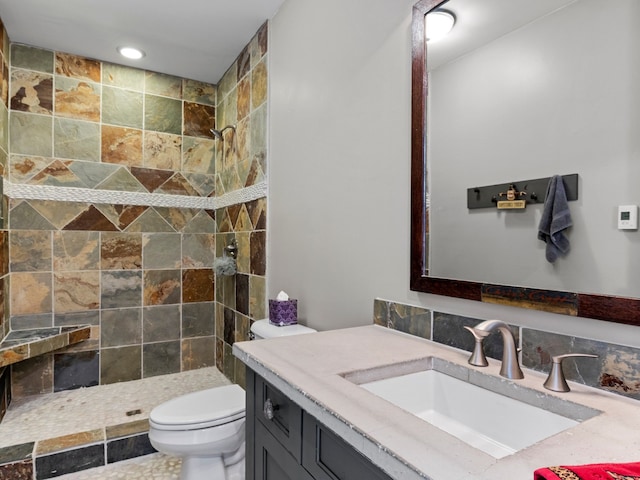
pixel 439 24
pixel 131 52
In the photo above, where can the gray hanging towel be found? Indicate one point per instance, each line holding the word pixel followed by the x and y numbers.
pixel 556 218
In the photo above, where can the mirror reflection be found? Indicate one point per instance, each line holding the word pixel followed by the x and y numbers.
pixel 522 90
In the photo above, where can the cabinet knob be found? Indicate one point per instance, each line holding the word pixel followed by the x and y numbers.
pixel 269 409
pixel 556 381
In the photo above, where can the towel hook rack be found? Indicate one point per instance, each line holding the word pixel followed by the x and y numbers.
pixel 488 196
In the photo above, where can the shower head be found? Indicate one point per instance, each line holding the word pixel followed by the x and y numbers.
pixel 218 133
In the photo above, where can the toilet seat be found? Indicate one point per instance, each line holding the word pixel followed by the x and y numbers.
pixel 198 410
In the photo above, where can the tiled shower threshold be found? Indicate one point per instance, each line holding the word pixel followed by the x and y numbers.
pixel 50 435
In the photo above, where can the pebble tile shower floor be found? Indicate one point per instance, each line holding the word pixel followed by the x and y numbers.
pixel 69 412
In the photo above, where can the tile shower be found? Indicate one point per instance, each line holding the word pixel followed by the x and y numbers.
pixel 115 200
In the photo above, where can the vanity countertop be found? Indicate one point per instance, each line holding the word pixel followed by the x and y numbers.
pixel 310 370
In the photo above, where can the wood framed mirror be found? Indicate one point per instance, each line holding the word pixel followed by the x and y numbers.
pixel 619 309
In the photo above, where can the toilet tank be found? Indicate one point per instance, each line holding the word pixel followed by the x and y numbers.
pixel 264 329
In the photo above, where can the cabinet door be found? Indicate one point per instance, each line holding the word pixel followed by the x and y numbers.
pixel 279 415
pixel 327 457
pixel 272 461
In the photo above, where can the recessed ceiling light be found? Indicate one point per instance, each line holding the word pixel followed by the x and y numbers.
pixel 131 52
pixel 439 23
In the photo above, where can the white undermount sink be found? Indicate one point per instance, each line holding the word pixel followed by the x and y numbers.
pixel 476 408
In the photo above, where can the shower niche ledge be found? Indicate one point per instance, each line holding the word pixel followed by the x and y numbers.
pixel 21 345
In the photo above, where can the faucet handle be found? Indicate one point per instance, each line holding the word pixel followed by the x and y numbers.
pixel 478 357
pixel 556 380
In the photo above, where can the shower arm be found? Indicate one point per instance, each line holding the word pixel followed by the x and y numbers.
pixel 218 133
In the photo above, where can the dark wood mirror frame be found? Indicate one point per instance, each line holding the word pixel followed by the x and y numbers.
pixel 602 307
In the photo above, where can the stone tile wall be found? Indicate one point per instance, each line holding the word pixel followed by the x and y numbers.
pixel 5 381
pixel 617 368
pixel 241 163
pixel 138 271
pixel 127 247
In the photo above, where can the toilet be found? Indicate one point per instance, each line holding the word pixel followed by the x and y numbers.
pixel 206 428
pixel 264 329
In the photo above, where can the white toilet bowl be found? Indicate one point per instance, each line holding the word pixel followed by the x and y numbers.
pixel 206 429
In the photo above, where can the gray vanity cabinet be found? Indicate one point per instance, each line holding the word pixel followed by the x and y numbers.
pixel 272 460
pixel 327 457
pixel 286 443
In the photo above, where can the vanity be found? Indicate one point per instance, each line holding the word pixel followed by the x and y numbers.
pixel 313 412
pixel 286 442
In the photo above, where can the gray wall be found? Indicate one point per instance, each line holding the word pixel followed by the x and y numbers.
pixel 339 169
pixel 549 98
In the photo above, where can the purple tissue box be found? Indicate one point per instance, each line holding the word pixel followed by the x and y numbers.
pixel 283 312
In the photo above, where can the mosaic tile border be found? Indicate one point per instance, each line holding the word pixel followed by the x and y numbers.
pixel 116 197
pixel 244 195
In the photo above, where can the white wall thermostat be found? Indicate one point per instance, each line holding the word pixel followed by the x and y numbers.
pixel 628 217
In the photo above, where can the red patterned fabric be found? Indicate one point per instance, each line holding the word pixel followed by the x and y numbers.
pixel 599 471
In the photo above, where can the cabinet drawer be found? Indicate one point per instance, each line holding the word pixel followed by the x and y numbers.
pixel 280 416
pixel 327 457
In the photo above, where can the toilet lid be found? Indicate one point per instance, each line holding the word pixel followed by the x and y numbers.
pixel 203 409
pixel 264 329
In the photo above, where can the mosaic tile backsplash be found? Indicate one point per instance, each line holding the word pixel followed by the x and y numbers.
pixel 140 275
pixel 617 368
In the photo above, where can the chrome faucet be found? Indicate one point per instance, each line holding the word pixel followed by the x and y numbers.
pixel 510 367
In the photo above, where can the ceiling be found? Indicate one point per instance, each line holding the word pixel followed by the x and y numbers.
pixel 195 39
